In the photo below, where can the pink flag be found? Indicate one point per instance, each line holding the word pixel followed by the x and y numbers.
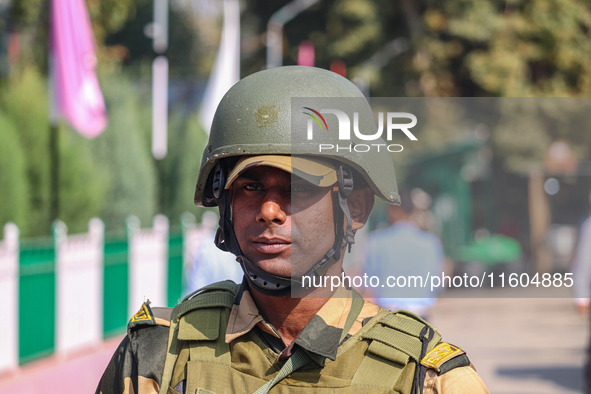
pixel 76 94
pixel 306 54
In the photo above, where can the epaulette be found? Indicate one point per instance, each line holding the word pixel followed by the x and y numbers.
pixel 445 357
pixel 218 294
pixel 147 316
pixel 200 317
pixel 401 332
pixel 402 339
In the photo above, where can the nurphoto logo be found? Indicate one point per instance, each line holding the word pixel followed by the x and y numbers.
pixel 389 122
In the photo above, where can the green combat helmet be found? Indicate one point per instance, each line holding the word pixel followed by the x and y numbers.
pixel 257 117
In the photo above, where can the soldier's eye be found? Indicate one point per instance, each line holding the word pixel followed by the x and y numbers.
pixel 300 188
pixel 252 186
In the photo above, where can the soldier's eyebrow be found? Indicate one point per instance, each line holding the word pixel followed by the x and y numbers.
pixel 249 176
pixel 257 178
pixel 295 178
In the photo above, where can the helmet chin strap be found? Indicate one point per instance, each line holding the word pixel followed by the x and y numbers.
pixel 275 285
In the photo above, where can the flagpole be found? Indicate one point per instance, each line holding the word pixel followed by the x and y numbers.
pixel 54 165
pixel 75 94
pixel 226 69
pixel 54 201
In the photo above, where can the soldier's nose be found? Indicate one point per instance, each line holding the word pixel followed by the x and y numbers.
pixel 271 212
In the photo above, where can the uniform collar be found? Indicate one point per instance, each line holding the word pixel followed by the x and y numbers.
pixel 320 337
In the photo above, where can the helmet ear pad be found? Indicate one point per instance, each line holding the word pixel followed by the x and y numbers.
pixel 217 194
pixel 215 182
pixel 360 203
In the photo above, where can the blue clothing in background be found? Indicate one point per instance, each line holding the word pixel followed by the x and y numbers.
pixel 404 250
pixel 211 265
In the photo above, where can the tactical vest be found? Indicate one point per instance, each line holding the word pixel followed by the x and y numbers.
pixel 382 357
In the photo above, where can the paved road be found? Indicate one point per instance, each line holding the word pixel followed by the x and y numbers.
pixel 76 373
pixel 519 345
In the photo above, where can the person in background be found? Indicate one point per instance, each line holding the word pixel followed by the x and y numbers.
pixel 582 282
pixel 210 264
pixel 403 249
pixel 421 215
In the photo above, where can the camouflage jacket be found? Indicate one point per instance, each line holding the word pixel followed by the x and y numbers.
pixel 138 362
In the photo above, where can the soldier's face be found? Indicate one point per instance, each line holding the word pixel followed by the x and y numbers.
pixel 282 223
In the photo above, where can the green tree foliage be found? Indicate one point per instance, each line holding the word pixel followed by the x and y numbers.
pixel 130 43
pixel 30 18
pixel 13 176
pixel 347 30
pixel 24 102
pixel 516 48
pixel 108 16
pixel 458 47
pixel 82 184
pixel 403 48
pixel 519 48
pixel 178 171
pixel 122 150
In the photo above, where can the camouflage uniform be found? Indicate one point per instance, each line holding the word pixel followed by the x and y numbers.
pixel 137 364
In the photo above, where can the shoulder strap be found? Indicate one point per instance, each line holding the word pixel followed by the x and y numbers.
pixel 225 285
pixel 396 340
pixel 210 299
pixel 199 317
pixel 404 332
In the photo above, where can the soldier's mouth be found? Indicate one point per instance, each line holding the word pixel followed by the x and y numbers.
pixel 272 245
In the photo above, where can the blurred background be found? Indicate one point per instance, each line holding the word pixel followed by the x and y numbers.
pixel 98 213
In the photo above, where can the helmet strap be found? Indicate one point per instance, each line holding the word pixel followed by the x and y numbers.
pixel 341 214
pixel 225 238
pixel 345 179
pixel 264 282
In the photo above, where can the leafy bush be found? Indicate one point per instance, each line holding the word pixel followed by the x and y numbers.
pixel 83 184
pixel 178 171
pixel 122 151
pixel 24 100
pixel 13 176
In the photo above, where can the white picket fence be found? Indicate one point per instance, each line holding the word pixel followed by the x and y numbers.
pixel 9 298
pixel 79 287
pixel 148 249
pixel 79 280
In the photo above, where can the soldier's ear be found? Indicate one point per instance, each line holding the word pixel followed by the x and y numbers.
pixel 360 203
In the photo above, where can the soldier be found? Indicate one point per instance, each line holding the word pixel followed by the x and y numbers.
pixel 286 211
